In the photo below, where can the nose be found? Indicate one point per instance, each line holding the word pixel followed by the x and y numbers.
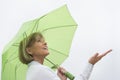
pixel 45 43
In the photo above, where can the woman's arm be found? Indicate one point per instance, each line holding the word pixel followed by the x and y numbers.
pixel 91 62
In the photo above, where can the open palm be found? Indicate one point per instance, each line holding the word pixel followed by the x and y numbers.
pixel 96 57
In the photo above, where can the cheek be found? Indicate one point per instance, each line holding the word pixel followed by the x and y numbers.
pixel 38 49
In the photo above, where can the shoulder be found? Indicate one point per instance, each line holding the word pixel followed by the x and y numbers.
pixel 40 71
pixel 36 67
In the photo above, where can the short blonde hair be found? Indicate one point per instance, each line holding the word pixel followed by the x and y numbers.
pixel 27 42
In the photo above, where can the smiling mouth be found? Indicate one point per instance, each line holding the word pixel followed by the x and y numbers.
pixel 45 48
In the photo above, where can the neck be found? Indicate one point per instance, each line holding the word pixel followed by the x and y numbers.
pixel 39 59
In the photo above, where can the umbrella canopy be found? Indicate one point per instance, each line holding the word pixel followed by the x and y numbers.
pixel 58 29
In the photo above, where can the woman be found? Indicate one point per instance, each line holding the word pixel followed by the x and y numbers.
pixel 33 50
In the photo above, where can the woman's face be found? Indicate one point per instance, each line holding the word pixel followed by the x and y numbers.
pixel 39 48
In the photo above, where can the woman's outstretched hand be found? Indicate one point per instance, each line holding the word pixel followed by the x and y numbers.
pixel 96 57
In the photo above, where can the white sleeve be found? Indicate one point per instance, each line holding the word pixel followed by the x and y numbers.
pixel 86 73
pixel 42 74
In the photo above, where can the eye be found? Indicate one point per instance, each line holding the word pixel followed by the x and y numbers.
pixel 38 40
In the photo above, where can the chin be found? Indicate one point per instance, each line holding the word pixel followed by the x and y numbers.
pixel 47 53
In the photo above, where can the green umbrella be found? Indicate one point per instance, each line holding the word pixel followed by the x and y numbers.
pixel 57 27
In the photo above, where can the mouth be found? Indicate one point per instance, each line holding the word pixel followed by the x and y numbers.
pixel 45 48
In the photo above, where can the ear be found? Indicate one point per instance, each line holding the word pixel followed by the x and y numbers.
pixel 28 50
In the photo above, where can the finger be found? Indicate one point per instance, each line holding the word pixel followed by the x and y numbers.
pixel 59 69
pixel 109 51
pixel 105 53
pixel 95 55
pixel 62 70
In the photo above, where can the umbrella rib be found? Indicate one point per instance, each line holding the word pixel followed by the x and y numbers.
pixel 50 62
pixel 16 67
pixel 58 52
pixel 36 23
pixel 8 62
pixel 58 27
pixel 11 59
pixel 16 44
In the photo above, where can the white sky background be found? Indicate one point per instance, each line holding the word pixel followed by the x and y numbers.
pixel 98 31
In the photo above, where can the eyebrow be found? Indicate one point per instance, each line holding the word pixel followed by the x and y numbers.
pixel 40 38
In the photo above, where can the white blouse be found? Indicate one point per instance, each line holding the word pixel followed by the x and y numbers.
pixel 37 71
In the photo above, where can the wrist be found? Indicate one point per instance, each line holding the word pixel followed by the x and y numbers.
pixel 92 64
